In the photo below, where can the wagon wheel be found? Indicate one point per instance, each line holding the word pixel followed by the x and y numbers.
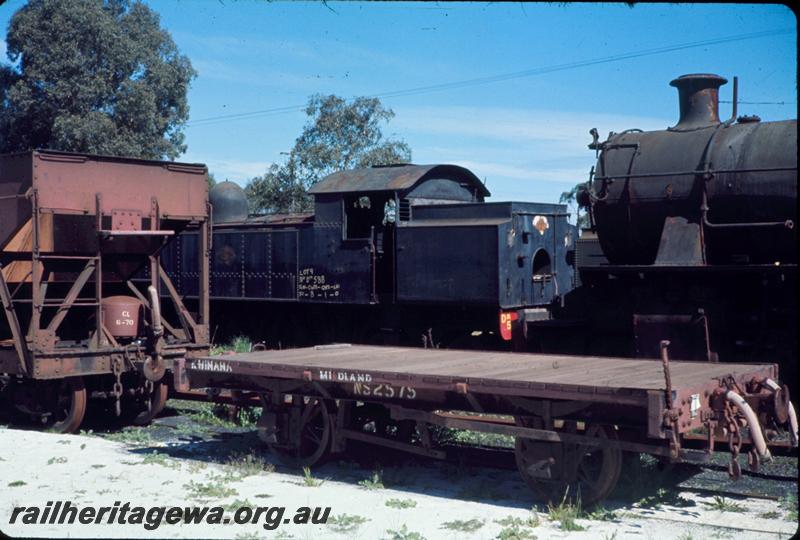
pixel 59 405
pixel 140 415
pixel 596 468
pixel 311 436
pixel 556 470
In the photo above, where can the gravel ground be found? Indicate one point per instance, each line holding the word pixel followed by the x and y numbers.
pixel 191 460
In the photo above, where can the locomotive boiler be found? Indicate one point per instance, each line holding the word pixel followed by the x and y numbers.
pixel 702 192
pixel 693 236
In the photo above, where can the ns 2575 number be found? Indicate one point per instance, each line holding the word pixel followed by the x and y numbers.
pixel 384 390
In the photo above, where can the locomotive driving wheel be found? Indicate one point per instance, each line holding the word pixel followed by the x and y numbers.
pixel 58 406
pixel 309 434
pixel 558 470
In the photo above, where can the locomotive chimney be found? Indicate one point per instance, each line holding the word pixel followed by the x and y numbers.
pixel 698 95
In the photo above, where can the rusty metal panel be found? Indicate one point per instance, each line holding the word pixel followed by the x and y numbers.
pixel 67 183
pixel 394 178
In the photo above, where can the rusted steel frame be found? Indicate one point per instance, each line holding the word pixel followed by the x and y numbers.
pixel 17 196
pixel 722 441
pixel 204 253
pixel 55 303
pixel 13 322
pixel 400 413
pixel 388 443
pixel 20 284
pixel 108 234
pixel 155 261
pixel 90 268
pixel 109 338
pixel 694 173
pixel 61 364
pixel 557 408
pixel 671 416
pixel 36 268
pixel 251 372
pixel 188 324
pixel 99 338
pixel 143 299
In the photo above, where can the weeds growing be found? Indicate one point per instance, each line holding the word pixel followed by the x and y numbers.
pixel 468 526
pixel 309 480
pixel 566 512
pixel 249 464
pixel 721 504
pixel 401 503
pixel 208 491
pixel 373 482
pixel 345 523
pixel 404 534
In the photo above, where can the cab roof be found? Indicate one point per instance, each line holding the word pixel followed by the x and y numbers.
pixel 395 178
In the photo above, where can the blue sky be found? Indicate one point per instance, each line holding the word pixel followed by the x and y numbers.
pixel 525 135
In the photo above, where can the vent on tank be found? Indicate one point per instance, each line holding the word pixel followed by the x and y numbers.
pixel 698 95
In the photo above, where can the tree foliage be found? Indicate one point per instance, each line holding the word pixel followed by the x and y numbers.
pixel 93 76
pixel 339 135
pixel 570 198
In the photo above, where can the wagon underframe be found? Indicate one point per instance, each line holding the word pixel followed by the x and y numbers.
pixel 567 411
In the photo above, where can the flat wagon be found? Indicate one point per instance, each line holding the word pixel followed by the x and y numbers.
pixel 573 416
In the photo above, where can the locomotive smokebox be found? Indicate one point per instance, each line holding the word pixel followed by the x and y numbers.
pixel 122 315
pixel 698 95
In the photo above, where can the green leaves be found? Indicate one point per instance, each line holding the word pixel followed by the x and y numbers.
pixel 93 76
pixel 339 135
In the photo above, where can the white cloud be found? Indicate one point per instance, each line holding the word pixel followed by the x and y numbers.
pixel 524 154
pixel 235 170
pixel 490 169
pixel 318 51
pixel 226 45
pixel 516 122
pixel 554 134
pixel 224 71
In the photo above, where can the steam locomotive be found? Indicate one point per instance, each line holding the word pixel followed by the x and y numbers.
pixel 692 239
pixel 693 236
pixel 393 254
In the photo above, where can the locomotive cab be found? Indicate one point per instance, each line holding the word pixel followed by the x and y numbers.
pixel 368 206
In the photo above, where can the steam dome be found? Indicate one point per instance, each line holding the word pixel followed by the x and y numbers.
pixel 229 203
